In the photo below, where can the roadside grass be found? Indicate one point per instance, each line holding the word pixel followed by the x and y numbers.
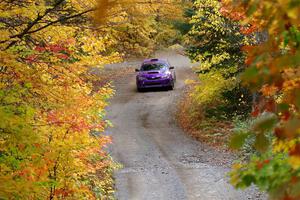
pixel 191 118
pixel 108 186
pixel 214 131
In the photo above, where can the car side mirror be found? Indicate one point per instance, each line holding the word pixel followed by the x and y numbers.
pixel 137 70
pixel 171 67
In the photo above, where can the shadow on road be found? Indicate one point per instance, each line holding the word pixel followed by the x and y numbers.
pixel 158 89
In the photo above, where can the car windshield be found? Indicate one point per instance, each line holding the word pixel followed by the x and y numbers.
pixel 152 66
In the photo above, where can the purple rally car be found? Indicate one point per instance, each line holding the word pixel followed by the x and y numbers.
pixel 155 73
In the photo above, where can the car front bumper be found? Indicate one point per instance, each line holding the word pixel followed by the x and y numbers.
pixel 154 83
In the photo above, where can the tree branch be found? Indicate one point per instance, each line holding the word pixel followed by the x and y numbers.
pixel 60 20
pixel 31 24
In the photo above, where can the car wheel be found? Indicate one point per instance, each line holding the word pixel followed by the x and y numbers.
pixel 140 89
pixel 171 87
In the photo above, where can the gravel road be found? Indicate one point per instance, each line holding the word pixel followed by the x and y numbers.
pixel 160 161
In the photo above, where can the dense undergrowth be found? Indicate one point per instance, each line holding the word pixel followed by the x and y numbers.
pixel 209 129
pixel 215 42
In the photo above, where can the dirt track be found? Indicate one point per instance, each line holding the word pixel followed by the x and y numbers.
pixel 160 161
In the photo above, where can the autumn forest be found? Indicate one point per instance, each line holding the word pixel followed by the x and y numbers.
pixel 245 80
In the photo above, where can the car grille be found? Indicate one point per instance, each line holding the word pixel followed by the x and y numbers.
pixel 154 83
pixel 153 78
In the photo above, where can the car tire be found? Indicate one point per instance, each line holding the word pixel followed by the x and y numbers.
pixel 171 87
pixel 140 90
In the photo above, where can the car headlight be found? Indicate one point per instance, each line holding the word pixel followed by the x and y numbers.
pixel 141 78
pixel 166 75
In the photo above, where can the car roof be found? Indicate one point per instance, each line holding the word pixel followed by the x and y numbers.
pixel 155 60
